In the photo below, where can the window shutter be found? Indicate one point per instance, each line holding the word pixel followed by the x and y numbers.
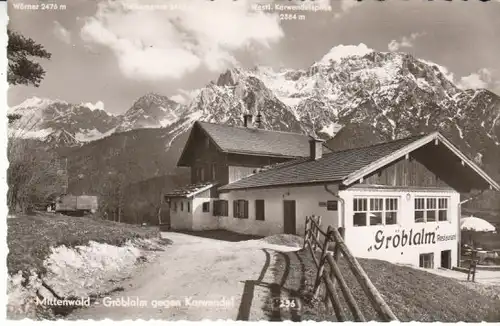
pixel 216 210
pixel 226 208
pixel 235 208
pixel 245 209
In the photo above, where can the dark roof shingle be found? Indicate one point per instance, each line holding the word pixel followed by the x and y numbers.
pixel 332 167
pixel 256 141
pixel 189 190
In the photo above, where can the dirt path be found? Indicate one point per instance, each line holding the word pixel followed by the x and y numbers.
pixel 195 268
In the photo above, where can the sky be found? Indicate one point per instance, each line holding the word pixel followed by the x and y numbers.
pixel 110 52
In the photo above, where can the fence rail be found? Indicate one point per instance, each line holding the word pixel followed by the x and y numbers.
pixel 317 240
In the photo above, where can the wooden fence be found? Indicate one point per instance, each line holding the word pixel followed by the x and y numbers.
pixel 319 241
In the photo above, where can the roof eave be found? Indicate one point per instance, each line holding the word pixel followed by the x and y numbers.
pixel 192 194
pixel 202 190
pixel 303 184
pixel 180 162
pixel 374 166
pixel 261 154
pixel 493 184
pixel 175 196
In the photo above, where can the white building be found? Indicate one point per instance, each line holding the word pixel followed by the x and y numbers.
pixel 398 201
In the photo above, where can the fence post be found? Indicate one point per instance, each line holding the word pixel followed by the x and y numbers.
pixel 322 262
pixel 334 299
pixel 306 232
pixel 336 255
pixel 311 232
pixel 318 224
pixel 337 252
pixel 370 290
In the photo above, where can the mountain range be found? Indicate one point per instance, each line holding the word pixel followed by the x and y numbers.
pixel 369 96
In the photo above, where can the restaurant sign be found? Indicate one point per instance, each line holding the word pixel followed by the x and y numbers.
pixel 409 238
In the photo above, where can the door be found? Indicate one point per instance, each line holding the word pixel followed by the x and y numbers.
pixel 446 259
pixel 289 217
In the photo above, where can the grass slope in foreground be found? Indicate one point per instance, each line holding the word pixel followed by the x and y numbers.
pixel 412 294
pixel 30 237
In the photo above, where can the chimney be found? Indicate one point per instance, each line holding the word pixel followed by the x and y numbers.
pixel 247 120
pixel 315 148
pixel 258 120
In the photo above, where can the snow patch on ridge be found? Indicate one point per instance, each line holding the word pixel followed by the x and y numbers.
pixel 341 51
pixel 279 84
pixel 88 135
pixel 446 73
pixel 331 130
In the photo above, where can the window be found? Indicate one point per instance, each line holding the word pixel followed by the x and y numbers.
pixel 259 210
pixel 391 210
pixel 174 206
pixel 188 207
pixel 443 209
pixel 199 174
pixel 220 208
pixel 182 206
pixel 427 260
pixel 205 207
pixel 360 211
pixel 419 210
pixel 240 208
pixel 431 209
pixel 214 170
pixel 375 211
pixel 202 174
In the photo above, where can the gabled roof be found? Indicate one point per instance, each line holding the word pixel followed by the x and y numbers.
pixel 189 190
pixel 349 166
pixel 254 141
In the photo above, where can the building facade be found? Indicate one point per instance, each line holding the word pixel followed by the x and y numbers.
pixel 398 201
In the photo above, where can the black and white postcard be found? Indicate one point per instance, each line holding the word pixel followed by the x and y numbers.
pixel 253 160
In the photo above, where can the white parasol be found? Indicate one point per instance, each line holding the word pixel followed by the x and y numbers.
pixel 477 224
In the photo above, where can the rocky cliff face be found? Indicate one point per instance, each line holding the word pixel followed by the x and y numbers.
pixel 150 111
pixel 61 123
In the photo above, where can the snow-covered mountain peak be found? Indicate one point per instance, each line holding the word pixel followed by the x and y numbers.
pixel 231 77
pixel 150 111
pixel 32 102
